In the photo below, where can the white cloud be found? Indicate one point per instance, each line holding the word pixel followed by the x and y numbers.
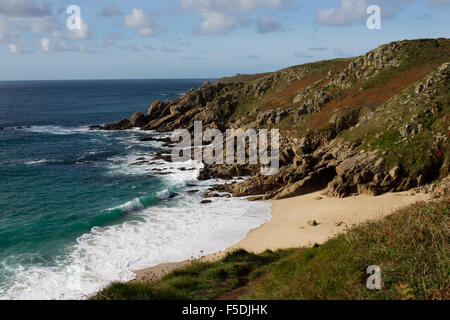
pixel 15 48
pixel 45 44
pixel 23 16
pixel 233 5
pixel 355 11
pixel 140 21
pixel 350 11
pixel 74 35
pixel 146 32
pixel 110 10
pixel 41 25
pixel 267 24
pixel 112 39
pixel 221 16
pixel 24 8
pixel 18 16
pixel 58 45
pixel 63 46
pixel 216 22
pixel 81 34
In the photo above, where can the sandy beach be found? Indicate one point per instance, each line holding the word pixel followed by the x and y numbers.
pixel 304 221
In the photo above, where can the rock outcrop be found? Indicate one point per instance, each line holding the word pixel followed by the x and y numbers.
pixel 123 124
pixel 333 137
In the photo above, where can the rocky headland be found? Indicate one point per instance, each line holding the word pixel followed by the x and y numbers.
pixel 367 125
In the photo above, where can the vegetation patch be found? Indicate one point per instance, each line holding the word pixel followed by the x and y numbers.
pixel 410 247
pixel 197 280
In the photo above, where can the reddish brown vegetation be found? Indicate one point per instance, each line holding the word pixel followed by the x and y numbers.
pixel 372 98
pixel 283 99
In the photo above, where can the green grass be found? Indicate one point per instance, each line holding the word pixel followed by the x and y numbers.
pixel 410 58
pixel 245 104
pixel 250 103
pixel 410 247
pixel 416 153
pixel 197 280
pixel 242 78
pixel 320 66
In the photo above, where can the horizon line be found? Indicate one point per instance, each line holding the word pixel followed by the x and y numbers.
pixel 109 79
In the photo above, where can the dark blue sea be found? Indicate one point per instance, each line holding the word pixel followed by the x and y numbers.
pixel 80 209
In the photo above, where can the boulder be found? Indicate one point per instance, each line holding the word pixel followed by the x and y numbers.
pixel 394 172
pixel 316 181
pixel 123 124
pixel 313 223
pixel 138 119
pixel 96 127
pixel 158 109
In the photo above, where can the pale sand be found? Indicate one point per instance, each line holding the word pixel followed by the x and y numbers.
pixel 289 226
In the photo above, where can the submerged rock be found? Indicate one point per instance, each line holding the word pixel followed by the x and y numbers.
pixel 96 127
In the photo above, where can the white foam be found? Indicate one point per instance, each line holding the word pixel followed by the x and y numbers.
pixel 172 173
pixel 164 194
pixel 60 130
pixel 57 130
pixel 110 254
pixel 130 206
pixel 33 162
pixel 161 234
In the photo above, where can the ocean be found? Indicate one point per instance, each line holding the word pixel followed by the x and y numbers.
pixel 79 209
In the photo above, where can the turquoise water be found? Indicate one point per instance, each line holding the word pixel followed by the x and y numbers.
pixel 75 213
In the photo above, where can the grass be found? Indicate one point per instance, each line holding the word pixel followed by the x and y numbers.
pixel 370 93
pixel 242 78
pixel 418 153
pixel 432 52
pixel 282 90
pixel 245 104
pixel 410 247
pixel 197 280
pixel 374 92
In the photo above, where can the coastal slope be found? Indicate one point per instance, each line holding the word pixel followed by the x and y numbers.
pixel 410 246
pixel 373 130
pixel 367 125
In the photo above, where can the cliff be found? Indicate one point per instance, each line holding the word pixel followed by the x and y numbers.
pixel 365 125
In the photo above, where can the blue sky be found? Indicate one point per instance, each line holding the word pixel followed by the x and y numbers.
pixel 198 38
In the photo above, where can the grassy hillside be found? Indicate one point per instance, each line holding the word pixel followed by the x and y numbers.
pixel 411 247
pixel 410 130
pixel 368 125
pixel 363 87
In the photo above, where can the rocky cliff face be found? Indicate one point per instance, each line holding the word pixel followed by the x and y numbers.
pixel 367 125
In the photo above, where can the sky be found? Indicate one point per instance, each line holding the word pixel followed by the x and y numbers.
pixel 141 39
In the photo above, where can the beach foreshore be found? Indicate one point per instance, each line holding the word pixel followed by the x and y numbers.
pixel 301 222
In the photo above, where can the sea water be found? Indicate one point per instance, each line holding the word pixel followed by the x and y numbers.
pixel 80 209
